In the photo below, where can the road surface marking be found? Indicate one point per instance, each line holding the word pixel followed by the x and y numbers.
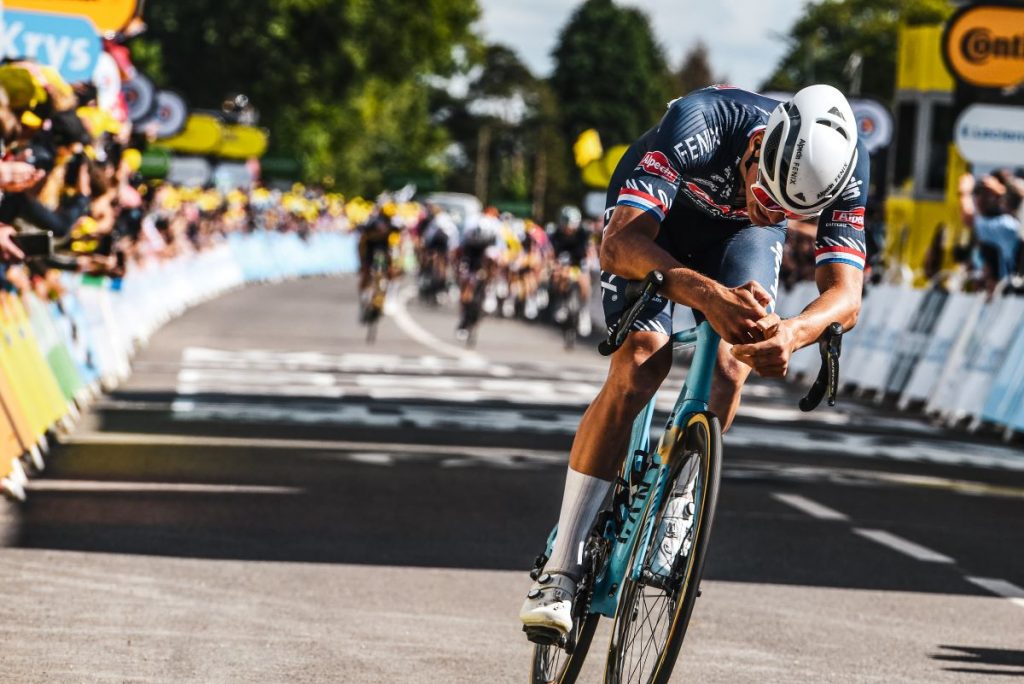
pixel 147 439
pixel 49 485
pixel 811 508
pixel 1000 587
pixel 904 546
pixel 400 315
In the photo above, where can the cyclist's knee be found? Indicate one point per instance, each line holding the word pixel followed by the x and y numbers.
pixel 729 371
pixel 639 368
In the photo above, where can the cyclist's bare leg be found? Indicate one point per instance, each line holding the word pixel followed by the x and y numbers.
pixel 636 372
pixel 726 384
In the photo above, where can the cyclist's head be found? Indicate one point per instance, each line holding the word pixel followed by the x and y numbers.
pixel 570 217
pixel 808 153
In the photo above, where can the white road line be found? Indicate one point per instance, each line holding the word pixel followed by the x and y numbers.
pixel 144 439
pixel 811 508
pixel 907 548
pixel 400 315
pixel 1000 588
pixel 49 485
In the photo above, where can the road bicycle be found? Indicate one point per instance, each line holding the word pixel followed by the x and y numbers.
pixel 375 295
pixel 651 606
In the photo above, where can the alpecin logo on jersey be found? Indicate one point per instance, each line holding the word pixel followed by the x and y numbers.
pixel 656 164
pixel 853 217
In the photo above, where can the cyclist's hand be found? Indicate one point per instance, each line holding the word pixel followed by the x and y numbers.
pixel 735 312
pixel 770 358
pixel 9 252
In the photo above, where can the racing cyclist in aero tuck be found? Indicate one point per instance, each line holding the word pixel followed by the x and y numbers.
pixel 704 198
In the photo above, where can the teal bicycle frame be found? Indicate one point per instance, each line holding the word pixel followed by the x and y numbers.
pixel 638 525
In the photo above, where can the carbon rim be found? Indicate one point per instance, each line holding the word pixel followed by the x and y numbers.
pixel 652 620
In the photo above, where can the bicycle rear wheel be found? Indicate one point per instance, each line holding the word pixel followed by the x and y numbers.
pixel 654 611
pixel 561 664
pixel 553 665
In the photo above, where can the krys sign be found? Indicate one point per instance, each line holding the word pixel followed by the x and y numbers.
pixel 984 45
pixel 68 44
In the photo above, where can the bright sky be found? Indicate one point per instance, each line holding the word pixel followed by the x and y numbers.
pixel 743 36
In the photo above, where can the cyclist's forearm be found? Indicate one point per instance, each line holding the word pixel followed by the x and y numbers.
pixel 839 302
pixel 629 250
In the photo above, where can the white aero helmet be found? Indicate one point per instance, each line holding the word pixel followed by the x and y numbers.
pixel 809 150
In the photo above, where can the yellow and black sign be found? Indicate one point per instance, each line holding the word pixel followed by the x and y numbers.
pixel 109 16
pixel 984 45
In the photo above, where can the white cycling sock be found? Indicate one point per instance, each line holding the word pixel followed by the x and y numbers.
pixel 581 501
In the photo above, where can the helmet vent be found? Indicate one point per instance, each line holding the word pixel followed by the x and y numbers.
pixel 771 150
pixel 834 126
pixel 835 110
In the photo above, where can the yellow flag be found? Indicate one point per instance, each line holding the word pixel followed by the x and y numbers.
pixel 587 147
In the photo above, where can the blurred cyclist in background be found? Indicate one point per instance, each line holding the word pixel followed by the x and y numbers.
pixel 379 237
pixel 477 259
pixel 572 246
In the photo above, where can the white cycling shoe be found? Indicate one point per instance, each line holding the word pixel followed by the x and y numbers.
pixel 673 534
pixel 548 605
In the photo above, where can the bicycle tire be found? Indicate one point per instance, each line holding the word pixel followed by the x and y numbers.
pixel 703 438
pixel 568 671
pixel 572 316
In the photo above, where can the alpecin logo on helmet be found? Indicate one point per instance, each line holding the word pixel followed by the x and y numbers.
pixel 853 217
pixel 656 164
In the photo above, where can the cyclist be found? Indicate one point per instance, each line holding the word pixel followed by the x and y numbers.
pixel 478 253
pixel 704 197
pixel 438 234
pixel 572 245
pixel 378 236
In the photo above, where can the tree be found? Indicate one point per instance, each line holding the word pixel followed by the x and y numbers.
pixel 610 73
pixel 823 40
pixel 338 82
pixel 695 71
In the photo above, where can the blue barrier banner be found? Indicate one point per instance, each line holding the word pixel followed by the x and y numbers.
pixel 70 44
pixel 1006 398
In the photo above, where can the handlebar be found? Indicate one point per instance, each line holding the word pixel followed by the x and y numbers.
pixel 829 346
pixel 640 293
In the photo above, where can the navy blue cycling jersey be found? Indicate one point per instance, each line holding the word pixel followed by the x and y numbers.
pixel 692 158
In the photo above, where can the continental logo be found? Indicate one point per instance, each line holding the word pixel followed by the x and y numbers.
pixel 984 45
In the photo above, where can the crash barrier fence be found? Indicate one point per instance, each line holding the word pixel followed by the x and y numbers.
pixel 56 355
pixel 959 357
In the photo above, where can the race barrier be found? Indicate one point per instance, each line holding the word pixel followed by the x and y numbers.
pixel 58 353
pixel 959 357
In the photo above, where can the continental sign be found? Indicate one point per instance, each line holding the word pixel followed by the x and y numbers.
pixel 983 45
pixel 109 16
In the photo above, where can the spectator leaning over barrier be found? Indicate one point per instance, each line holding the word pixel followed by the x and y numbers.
pixel 984 209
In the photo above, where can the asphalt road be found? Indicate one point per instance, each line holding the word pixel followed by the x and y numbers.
pixel 270 499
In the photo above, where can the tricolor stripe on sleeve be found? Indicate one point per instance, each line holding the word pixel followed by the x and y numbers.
pixel 642 200
pixel 834 254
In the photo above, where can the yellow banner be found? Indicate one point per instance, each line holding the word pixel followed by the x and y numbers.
pixel 984 45
pixel 202 135
pixel 242 142
pixel 587 147
pixel 598 173
pixel 108 15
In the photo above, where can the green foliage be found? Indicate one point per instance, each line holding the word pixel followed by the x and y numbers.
pixel 695 71
pixel 338 82
pixel 610 73
pixel 822 40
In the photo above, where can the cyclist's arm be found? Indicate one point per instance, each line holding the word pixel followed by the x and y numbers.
pixel 628 249
pixel 839 274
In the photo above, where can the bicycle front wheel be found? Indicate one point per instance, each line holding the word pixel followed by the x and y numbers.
pixel 654 610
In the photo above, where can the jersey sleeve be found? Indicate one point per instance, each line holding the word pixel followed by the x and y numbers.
pixel 841 225
pixel 683 138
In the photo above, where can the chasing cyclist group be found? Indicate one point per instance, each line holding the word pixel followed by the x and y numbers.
pixel 493 264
